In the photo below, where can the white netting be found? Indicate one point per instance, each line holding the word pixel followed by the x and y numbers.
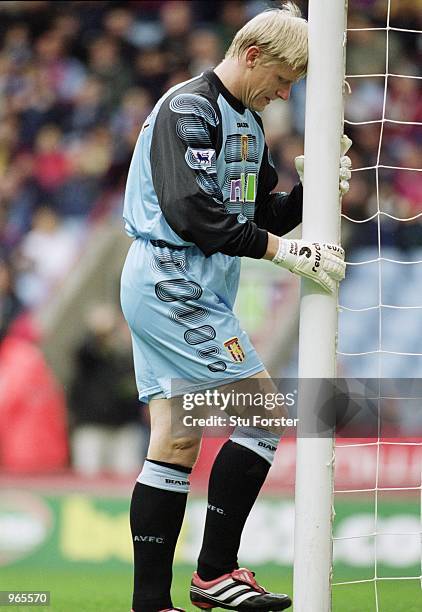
pixel 380 320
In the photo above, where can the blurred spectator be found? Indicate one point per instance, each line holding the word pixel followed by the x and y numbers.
pixel 233 16
pixel 65 74
pixel 36 103
pixel 45 255
pixel 366 101
pixel 19 194
pixel 33 436
pixel 92 156
pixel 51 164
pixel 404 102
pixel 151 71
pixel 17 44
pixel 9 141
pixel 88 109
pixel 177 22
pixel 126 123
pixel 104 410
pixel 366 50
pixel 408 184
pixel 76 198
pixel 68 27
pixel 119 23
pixel 105 62
pixel 204 51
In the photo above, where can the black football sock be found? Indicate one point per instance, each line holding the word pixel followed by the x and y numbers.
pixel 156 516
pixel 235 481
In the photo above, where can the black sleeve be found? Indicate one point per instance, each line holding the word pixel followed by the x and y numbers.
pixel 278 213
pixel 183 159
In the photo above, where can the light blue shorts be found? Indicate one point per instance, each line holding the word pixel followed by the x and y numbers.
pixel 178 305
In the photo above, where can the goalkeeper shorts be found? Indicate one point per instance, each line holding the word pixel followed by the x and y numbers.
pixel 178 305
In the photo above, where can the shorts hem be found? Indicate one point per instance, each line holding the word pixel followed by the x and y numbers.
pixel 146 394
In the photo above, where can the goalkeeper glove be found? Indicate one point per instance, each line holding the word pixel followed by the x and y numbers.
pixel 321 262
pixel 345 173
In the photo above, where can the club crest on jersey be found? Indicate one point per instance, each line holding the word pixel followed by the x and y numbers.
pixel 244 147
pixel 235 349
pixel 203 156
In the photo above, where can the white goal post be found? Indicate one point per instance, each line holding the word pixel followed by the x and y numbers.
pixel 318 311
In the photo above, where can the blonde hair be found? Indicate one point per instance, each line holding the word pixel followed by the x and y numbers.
pixel 281 34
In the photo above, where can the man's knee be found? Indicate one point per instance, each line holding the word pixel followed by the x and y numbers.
pixel 188 448
pixel 180 451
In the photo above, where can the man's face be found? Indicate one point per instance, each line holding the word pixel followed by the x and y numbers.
pixel 264 83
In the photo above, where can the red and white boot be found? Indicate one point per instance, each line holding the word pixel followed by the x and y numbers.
pixel 236 591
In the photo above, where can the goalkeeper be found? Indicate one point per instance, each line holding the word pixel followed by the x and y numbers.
pixel 198 198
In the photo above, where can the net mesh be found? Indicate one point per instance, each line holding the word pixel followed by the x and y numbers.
pixel 380 320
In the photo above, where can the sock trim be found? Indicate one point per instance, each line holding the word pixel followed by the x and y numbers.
pixel 173 466
pixel 259 441
pixel 165 478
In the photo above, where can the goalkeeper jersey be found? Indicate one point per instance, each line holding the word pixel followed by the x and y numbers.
pixel 201 175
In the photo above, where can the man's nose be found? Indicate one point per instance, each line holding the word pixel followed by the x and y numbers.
pixel 284 92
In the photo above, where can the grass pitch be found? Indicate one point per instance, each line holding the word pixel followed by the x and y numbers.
pixel 86 589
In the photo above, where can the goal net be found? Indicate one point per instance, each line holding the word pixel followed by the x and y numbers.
pixel 380 308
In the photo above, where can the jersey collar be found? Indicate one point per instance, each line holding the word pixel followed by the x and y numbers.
pixel 234 102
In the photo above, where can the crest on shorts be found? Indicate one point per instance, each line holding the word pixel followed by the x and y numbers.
pixel 244 147
pixel 235 349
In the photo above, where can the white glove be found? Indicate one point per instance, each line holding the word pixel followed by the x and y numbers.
pixel 345 165
pixel 321 262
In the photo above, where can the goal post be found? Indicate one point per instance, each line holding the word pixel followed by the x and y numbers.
pixel 318 311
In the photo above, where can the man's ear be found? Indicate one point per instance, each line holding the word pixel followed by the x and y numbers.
pixel 252 54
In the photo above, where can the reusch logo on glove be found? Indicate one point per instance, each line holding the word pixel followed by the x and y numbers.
pixel 317 256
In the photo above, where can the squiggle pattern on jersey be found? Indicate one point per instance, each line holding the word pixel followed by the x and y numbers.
pixel 193 131
pixel 192 128
pixel 191 104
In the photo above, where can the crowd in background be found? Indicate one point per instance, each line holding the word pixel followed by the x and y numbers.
pixel 78 79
